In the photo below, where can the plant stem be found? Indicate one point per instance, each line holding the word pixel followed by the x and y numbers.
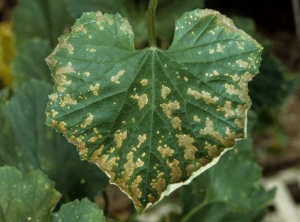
pixel 151 23
pixel 193 211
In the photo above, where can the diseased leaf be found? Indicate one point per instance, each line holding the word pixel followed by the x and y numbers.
pixel 30 62
pixel 46 19
pixel 151 118
pixel 80 211
pixel 134 11
pixel 26 198
pixel 27 143
pixel 217 195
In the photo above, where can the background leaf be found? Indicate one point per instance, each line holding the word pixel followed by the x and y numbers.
pixel 151 118
pixel 228 191
pixel 28 144
pixel 31 197
pixel 46 19
pixel 80 211
pixel 30 62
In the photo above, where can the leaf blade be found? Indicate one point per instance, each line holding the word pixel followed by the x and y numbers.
pixel 30 197
pixel 139 114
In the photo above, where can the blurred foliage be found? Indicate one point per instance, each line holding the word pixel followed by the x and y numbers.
pixel 28 144
pixel 229 191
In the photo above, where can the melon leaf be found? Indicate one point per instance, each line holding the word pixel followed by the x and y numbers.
pixel 152 118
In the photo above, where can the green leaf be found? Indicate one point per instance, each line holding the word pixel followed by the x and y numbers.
pixel 30 62
pixel 46 19
pixel 228 191
pixel 9 149
pixel 150 118
pixel 26 198
pixel 27 143
pixel 80 211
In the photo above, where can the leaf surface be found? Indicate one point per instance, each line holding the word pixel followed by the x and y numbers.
pixel 152 117
pixel 26 198
pixel 79 211
pixel 228 191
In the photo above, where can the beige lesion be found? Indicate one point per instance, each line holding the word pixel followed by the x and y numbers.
pixel 187 142
pixel 53 97
pixel 63 43
pixel 176 123
pixel 116 78
pixel 192 168
pixel 81 146
pixel 119 137
pixel 206 96
pixel 165 91
pixel 170 107
pixel 176 172
pixel 242 89
pixel 87 121
pixel 67 100
pixel 142 100
pixel 95 88
pixel 136 192
pixel 196 119
pixel 212 150
pixel 159 184
pixel 227 109
pixel 125 27
pixel 60 77
pixel 165 151
pixel 144 82
pixel 141 139
pixel 80 28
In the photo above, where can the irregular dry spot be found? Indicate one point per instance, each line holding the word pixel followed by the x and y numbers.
pixel 227 109
pixel 170 107
pixel 115 78
pixel 120 137
pixel 165 151
pixel 87 121
pixel 67 100
pixel 142 100
pixel 176 172
pixel 203 95
pixel 95 89
pixel 144 82
pixel 165 91
pixel 187 142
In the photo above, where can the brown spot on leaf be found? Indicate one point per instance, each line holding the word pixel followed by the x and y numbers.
pixel 187 142
pixel 165 151
pixel 176 172
pixel 120 137
pixel 142 100
pixel 203 95
pixel 87 121
pixel 168 108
